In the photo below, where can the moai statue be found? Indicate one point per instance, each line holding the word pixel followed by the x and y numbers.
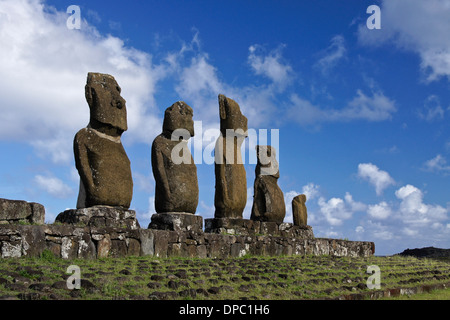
pixel 268 199
pixel 231 183
pixel 173 167
pixel 101 161
pixel 299 211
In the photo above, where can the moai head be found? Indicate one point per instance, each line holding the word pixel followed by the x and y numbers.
pixel 106 105
pixel 267 161
pixel 231 116
pixel 178 116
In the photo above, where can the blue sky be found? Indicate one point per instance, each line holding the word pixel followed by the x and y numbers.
pixel 362 114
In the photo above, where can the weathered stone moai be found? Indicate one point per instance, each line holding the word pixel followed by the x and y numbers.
pixel 268 199
pixel 299 211
pixel 175 173
pixel 101 161
pixel 231 183
pixel 106 184
pixel 173 167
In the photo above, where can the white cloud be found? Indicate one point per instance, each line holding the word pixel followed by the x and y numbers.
pixel 418 26
pixel 414 212
pixel 378 178
pixel 437 164
pixel 44 67
pixel 311 191
pixel 337 210
pixel 270 66
pixel 379 211
pixel 335 52
pixel 53 186
pixel 376 108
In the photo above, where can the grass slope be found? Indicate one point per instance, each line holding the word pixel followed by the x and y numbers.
pixel 253 278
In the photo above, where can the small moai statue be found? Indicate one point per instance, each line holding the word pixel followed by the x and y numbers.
pixel 101 161
pixel 268 199
pixel 231 183
pixel 173 167
pixel 299 211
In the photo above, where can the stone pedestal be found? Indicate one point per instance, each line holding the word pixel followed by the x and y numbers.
pixel 18 211
pixel 234 226
pixel 100 216
pixel 176 221
pixel 251 227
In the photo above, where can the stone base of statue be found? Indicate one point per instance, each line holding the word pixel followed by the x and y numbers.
pixel 252 227
pixel 100 216
pixel 176 221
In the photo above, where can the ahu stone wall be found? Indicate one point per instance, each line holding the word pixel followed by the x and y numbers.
pixel 70 242
pixel 103 231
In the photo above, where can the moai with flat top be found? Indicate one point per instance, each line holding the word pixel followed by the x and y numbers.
pixel 268 199
pixel 299 211
pixel 175 173
pixel 231 182
pixel 106 183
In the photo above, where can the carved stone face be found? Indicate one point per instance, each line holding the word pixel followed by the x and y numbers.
pixel 178 116
pixel 105 102
pixel 231 116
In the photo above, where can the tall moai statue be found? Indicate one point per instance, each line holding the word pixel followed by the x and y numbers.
pixel 173 167
pixel 231 182
pixel 101 161
pixel 299 211
pixel 268 199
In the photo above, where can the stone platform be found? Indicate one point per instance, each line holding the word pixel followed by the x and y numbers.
pixel 102 231
pixel 99 216
pixel 176 221
pixel 252 227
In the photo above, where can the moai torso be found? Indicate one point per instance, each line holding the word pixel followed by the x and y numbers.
pixel 268 199
pixel 299 211
pixel 173 167
pixel 231 182
pixel 101 161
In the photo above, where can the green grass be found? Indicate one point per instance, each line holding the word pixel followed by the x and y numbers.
pixel 248 277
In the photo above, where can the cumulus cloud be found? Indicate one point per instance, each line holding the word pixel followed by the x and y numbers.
pixel 379 211
pixel 378 178
pixel 416 213
pixel 44 67
pixel 53 186
pixel 337 210
pixel 418 26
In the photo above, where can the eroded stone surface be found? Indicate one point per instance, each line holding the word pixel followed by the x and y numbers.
pixel 101 160
pixel 268 199
pixel 174 170
pixel 231 182
pixel 18 211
